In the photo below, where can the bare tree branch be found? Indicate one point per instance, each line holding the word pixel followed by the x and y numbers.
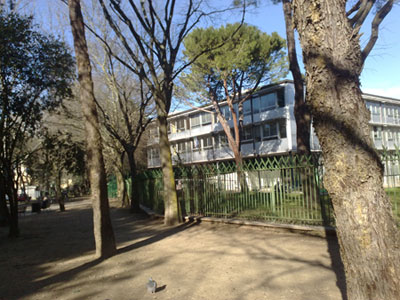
pixel 381 14
pixel 362 13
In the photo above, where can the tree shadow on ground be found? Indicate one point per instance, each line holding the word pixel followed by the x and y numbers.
pixel 334 253
pixel 47 239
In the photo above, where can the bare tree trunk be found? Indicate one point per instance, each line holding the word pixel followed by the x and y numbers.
pixel 301 111
pixel 103 232
pixel 121 188
pixel 4 213
pixel 135 207
pixel 368 236
pixel 13 199
pixel 59 196
pixel 172 214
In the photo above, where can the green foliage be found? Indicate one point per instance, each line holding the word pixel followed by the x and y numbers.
pixel 248 57
pixel 59 154
pixel 36 71
pixel 36 74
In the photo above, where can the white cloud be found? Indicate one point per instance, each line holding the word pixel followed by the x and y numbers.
pixel 393 92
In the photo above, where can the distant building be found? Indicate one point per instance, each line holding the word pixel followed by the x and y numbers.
pixel 269 128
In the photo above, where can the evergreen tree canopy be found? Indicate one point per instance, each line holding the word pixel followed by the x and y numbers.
pixel 247 58
pixel 36 72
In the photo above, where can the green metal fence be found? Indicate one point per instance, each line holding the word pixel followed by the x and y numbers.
pixel 112 188
pixel 391 179
pixel 286 189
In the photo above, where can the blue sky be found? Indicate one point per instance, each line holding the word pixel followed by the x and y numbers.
pixel 381 74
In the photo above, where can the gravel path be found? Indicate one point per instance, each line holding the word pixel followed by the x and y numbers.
pixel 53 259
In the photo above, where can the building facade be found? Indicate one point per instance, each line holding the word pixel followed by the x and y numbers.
pixel 269 128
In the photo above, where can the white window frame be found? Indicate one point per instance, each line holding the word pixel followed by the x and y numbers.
pixel 203 142
pixel 376 110
pixel 377 133
pixel 205 119
pixel 154 132
pixel 195 117
pixel 270 136
pixel 179 122
pixel 222 140
pixel 390 135
pixel 196 142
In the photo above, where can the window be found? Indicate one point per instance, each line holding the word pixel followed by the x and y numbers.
pixel 195 121
pixel 207 142
pixel 377 133
pixel 222 140
pixel 269 130
pixel 247 134
pixel 172 127
pixel 196 144
pixel 226 112
pixel 247 107
pixel 268 102
pixel 375 110
pixel 256 105
pixel 153 154
pixel 182 147
pixel 389 111
pixel 282 128
pixel 257 133
pixel 153 132
pixel 205 119
pixel 281 97
pixel 390 135
pixel 180 125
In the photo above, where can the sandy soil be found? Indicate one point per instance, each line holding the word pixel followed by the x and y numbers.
pixel 53 259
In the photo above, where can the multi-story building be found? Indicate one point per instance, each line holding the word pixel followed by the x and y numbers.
pixel 269 128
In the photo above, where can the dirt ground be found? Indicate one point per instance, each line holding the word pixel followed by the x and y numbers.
pixel 53 259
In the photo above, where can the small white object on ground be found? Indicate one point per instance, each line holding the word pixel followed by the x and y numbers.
pixel 151 286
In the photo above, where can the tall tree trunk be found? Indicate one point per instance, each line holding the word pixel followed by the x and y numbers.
pixel 172 213
pixel 4 212
pixel 368 236
pixel 59 196
pixel 301 111
pixel 121 189
pixel 103 232
pixel 122 193
pixel 135 205
pixel 13 199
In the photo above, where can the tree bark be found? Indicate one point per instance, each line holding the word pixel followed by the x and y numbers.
pixel 103 232
pixel 59 196
pixel 301 111
pixel 135 205
pixel 172 213
pixel 13 199
pixel 368 236
pixel 4 212
pixel 121 186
